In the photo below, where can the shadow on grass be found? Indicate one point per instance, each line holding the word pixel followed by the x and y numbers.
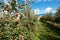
pixel 45 37
pixel 50 28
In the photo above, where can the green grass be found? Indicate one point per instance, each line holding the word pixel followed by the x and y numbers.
pixel 46 32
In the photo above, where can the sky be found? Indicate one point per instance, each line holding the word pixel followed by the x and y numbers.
pixel 43 6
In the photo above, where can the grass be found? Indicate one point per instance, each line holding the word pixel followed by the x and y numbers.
pixel 46 32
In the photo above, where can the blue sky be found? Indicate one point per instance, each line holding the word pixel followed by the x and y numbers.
pixel 42 6
pixel 45 5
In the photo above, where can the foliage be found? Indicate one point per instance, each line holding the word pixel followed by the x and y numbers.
pixel 10 30
pixel 53 17
pixel 57 18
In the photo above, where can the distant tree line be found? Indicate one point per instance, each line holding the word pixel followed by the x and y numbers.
pixel 53 17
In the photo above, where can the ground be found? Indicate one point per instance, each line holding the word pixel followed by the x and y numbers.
pixel 46 32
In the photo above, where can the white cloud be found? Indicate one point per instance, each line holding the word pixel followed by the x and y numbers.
pixel 37 11
pixel 48 10
pixel 54 11
pixel 6 1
